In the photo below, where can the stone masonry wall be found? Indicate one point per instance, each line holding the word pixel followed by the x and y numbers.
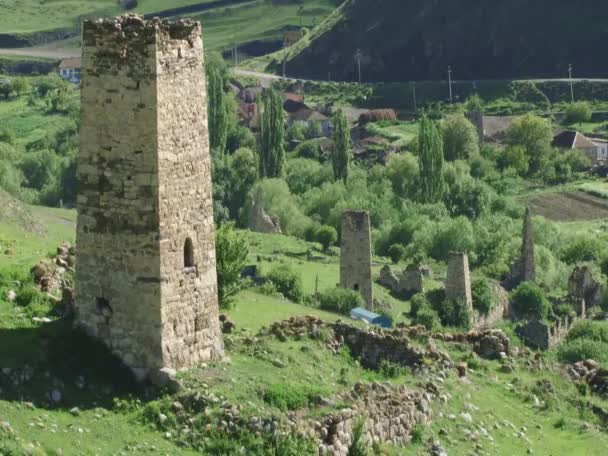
pixel 356 254
pixel 458 284
pixel 144 189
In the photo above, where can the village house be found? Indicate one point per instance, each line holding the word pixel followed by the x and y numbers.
pixel 69 69
pixel 306 116
pixel 595 149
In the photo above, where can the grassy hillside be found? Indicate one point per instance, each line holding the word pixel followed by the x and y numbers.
pixel 225 22
pixel 417 40
pixel 509 412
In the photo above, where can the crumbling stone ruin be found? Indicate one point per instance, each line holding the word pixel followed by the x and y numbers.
pixel 407 284
pixel 356 254
pixel 583 290
pixel 524 268
pixel 542 335
pixel 259 220
pixel 146 280
pixel 458 283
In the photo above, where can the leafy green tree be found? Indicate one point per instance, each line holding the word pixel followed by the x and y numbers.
pixel 396 252
pixel 243 175
pixel 272 152
pixel 6 88
pixel 341 156
pixel 460 138
pixel 514 157
pixel 231 253
pixel 217 109
pixel 21 86
pixel 430 157
pixel 529 301
pixel 534 134
pixel 313 130
pixel 578 112
pixel 404 173
pixel 474 104
pixel 326 236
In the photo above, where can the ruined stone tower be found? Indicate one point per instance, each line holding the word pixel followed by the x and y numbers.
pixel 146 280
pixel 458 283
pixel 527 265
pixel 356 254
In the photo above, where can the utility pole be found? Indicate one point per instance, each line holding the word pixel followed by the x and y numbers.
pixel 414 94
pixel 571 83
pixel 358 56
pixel 450 81
pixel 284 63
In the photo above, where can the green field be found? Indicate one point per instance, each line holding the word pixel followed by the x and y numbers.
pixel 223 26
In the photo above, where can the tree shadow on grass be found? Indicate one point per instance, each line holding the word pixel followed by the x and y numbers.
pixel 56 367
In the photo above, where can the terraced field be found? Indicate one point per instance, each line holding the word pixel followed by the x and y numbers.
pixel 569 206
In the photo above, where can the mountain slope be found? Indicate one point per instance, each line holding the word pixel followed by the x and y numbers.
pixel 418 39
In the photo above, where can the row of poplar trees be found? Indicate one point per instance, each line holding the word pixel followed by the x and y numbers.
pixel 272 128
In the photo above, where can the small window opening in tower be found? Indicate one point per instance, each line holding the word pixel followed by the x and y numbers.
pixel 356 287
pixel 188 254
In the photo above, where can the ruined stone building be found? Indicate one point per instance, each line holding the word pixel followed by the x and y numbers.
pixel 356 254
pixel 458 283
pixel 146 280
pixel 523 269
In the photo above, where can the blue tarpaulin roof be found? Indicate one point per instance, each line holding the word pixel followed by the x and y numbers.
pixel 360 313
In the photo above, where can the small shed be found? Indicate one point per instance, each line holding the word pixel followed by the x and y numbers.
pixel 372 318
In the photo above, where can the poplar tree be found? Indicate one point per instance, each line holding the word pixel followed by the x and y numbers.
pixel 272 152
pixel 342 151
pixel 430 156
pixel 217 109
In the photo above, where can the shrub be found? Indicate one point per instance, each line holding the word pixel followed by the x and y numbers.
pixel 428 318
pixel 28 295
pixel 326 236
pixel 591 330
pixel 483 298
pixel 529 301
pixel 454 313
pixel 289 397
pixel 359 446
pixel 287 282
pixel 396 252
pixel 582 349
pixel 340 300
pixel 391 370
pixel 308 149
pixel 582 249
pixel 578 112
pixel 418 302
pixel 231 250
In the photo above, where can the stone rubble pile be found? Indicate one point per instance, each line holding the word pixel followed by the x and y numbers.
pixel 49 274
pixel 590 372
pixel 390 413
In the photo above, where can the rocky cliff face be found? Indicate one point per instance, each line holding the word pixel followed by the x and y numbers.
pixel 418 39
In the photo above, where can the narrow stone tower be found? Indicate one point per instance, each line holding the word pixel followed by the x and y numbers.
pixel 146 280
pixel 527 263
pixel 356 255
pixel 458 284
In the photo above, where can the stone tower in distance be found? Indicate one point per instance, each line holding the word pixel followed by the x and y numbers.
pixel 146 280
pixel 356 255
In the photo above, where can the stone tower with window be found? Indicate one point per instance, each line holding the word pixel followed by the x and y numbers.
pixel 356 255
pixel 146 280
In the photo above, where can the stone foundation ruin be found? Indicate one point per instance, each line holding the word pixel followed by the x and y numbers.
pixel 146 280
pixel 356 254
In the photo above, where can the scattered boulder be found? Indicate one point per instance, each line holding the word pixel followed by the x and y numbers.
pixel 164 378
pixel 590 372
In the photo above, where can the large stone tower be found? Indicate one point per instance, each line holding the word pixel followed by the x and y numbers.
pixel 458 283
pixel 146 280
pixel 356 254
